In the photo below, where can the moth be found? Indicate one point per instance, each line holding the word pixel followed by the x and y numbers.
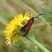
pixel 27 27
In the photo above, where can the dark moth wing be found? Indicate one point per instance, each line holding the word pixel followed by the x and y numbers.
pixel 27 27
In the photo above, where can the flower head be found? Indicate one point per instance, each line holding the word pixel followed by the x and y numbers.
pixel 11 33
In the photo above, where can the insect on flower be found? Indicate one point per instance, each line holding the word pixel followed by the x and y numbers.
pixel 20 23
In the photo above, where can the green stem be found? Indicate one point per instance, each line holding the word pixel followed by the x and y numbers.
pixel 38 44
pixel 28 45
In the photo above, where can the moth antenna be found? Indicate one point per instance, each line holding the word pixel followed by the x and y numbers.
pixel 38 16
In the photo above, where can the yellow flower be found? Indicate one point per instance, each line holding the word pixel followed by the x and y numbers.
pixel 11 34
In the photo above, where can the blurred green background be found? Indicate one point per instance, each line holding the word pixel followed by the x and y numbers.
pixel 42 28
